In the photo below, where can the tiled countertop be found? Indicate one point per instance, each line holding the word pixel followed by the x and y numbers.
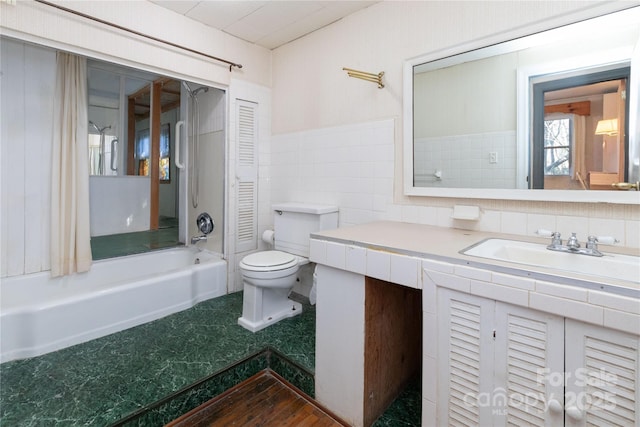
pixel 444 244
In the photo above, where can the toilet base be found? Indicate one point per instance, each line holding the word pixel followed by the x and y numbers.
pixel 292 309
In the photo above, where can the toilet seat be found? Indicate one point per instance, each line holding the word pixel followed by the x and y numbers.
pixel 268 261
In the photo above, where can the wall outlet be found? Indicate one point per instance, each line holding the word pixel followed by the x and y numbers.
pixel 493 157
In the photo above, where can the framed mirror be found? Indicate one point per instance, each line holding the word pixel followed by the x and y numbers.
pixel 522 119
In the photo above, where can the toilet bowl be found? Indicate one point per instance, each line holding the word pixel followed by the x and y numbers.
pixel 268 278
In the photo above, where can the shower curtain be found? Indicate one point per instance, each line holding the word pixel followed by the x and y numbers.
pixel 70 232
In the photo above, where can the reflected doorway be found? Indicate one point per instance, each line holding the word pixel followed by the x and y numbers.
pixel 580 138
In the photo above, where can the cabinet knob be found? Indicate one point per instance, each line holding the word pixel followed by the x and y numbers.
pixel 555 406
pixel 574 413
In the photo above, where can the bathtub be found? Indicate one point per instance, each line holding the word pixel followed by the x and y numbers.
pixel 40 314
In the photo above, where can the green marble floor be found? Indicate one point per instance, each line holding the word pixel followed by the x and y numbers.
pixel 104 380
pixel 115 245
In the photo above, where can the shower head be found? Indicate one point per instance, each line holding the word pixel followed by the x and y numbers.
pixel 193 93
pixel 97 128
pixel 202 88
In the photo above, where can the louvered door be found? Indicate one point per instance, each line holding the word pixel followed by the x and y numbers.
pixel 246 176
pixel 529 367
pixel 465 358
pixel 603 370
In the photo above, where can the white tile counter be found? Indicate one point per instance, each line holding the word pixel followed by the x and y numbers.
pixel 388 250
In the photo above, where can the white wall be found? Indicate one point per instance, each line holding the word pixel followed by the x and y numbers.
pixel 312 96
pixel 119 204
pixel 27 113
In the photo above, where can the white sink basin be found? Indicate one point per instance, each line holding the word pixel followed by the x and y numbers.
pixel 614 266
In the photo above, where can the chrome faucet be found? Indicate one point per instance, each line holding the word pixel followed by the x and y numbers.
pixel 573 246
pixel 572 242
pixel 196 239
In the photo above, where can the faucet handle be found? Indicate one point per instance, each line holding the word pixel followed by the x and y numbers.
pixel 555 239
pixel 607 240
pixel 544 233
pixel 592 242
pixel 572 242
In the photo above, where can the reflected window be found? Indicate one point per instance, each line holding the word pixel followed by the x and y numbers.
pixel 143 152
pixel 557 146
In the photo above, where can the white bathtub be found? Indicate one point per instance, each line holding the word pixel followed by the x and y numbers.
pixel 39 314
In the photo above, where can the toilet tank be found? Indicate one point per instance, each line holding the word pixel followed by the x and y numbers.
pixel 294 222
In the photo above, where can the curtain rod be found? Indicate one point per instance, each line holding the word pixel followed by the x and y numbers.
pixel 83 15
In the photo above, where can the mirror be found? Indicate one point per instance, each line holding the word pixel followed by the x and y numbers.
pixel 475 116
pixel 119 120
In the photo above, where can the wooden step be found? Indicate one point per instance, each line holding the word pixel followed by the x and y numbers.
pixel 266 399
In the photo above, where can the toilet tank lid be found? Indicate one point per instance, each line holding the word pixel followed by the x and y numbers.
pixel 304 208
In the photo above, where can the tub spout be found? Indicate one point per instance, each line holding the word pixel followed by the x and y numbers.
pixel 196 239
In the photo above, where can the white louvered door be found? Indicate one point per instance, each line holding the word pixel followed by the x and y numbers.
pixel 247 176
pixel 465 358
pixel 603 369
pixel 529 367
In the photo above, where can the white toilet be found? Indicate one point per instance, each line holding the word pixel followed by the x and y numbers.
pixel 269 276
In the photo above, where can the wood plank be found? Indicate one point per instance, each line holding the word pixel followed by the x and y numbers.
pixel 265 399
pixel 582 108
pixel 393 343
pixel 154 157
pixel 131 136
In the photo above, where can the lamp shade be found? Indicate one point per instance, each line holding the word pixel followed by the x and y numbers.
pixel 607 127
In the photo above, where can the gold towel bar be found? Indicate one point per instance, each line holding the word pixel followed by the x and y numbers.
pixel 370 77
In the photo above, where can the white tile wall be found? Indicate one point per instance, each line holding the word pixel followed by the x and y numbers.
pixel 352 167
pixel 348 166
pixel 464 162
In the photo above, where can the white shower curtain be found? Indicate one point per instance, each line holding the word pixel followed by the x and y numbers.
pixel 70 231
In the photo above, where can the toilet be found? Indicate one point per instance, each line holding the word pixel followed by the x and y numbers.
pixel 269 276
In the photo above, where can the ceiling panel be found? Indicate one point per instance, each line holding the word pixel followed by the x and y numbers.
pixel 267 23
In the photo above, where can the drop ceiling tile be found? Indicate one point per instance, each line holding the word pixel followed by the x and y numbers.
pixel 331 12
pixel 222 14
pixel 178 6
pixel 271 17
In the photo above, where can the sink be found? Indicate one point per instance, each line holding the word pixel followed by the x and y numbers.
pixel 613 266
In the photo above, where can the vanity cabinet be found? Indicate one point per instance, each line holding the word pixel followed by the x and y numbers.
pixel 501 364
pixel 500 343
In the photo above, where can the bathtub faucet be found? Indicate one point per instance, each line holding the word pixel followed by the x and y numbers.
pixel 196 239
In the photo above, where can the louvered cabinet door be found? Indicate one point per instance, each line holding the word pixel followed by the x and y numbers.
pixel 529 367
pixel 246 176
pixel 465 359
pixel 603 374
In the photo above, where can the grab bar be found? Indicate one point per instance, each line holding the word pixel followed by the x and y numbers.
pixel 114 155
pixel 179 126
